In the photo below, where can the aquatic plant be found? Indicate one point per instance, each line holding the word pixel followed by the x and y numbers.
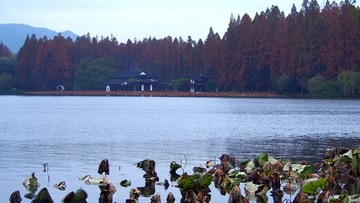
pixel 334 179
pixel 125 183
pixel 15 197
pixel 43 196
pixel 78 196
pixel 104 167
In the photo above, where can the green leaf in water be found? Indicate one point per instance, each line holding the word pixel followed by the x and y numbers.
pixel 261 158
pixel 305 171
pixel 81 195
pixel 205 180
pixel 311 185
pixel 195 181
pixel 42 196
pixel 344 198
pixel 247 165
pixel 125 183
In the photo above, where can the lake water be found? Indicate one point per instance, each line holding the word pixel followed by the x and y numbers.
pixel 73 134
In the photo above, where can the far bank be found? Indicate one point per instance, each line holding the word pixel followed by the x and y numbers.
pixel 156 94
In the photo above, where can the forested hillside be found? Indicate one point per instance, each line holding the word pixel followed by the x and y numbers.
pixel 311 49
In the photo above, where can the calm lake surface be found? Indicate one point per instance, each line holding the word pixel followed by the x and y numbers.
pixel 73 134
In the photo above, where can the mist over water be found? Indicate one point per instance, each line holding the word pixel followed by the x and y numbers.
pixel 73 134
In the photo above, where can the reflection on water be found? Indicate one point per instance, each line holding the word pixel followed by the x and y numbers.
pixel 308 147
pixel 73 134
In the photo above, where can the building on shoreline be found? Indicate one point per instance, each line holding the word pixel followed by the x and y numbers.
pixel 198 83
pixel 140 81
pixel 132 81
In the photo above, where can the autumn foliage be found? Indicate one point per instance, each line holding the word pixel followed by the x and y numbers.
pixel 268 52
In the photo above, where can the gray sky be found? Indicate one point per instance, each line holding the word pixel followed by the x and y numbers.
pixel 129 19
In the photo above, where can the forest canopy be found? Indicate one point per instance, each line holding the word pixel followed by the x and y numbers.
pixel 311 50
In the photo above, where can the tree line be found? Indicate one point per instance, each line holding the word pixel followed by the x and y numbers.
pixel 311 50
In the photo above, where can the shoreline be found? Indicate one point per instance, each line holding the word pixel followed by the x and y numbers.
pixel 155 94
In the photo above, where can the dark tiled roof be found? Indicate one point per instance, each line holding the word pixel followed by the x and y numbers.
pixel 115 82
pixel 126 78
pixel 145 81
pixel 121 81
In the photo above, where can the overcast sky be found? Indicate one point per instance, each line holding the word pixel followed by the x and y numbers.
pixel 129 19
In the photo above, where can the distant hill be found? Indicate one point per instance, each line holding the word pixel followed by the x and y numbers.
pixel 14 35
